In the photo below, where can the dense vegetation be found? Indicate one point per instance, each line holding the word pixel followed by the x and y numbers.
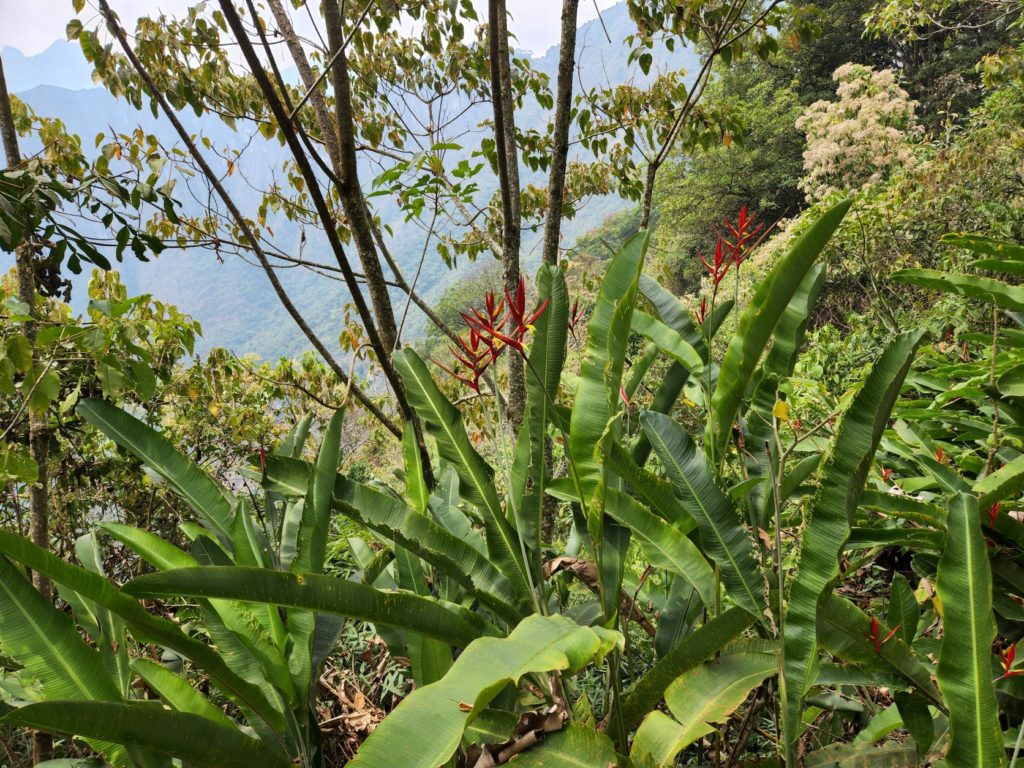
pixel 735 479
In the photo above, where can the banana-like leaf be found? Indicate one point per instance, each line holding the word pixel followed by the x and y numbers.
pixel 701 696
pixel 988 246
pixel 757 323
pixel 597 396
pixel 194 485
pixel 1002 484
pixel 841 630
pixel 964 585
pixel 668 341
pixel 787 341
pixel 904 612
pixel 313 592
pixel 45 642
pixel 664 545
pixel 416 490
pixel 575 746
pixel 672 313
pixel 444 422
pixel 177 692
pixel 969 286
pixel 316 514
pixel 392 519
pixel 201 742
pixel 143 625
pixel 832 510
pixel 864 756
pixel 543 373
pixel 687 654
pixel 425 730
pixel 723 535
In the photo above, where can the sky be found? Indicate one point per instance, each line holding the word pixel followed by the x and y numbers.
pixel 32 26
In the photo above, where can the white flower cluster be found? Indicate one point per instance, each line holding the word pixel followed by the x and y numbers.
pixel 855 141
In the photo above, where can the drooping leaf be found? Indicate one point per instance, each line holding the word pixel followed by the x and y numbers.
pixel 194 738
pixel 706 694
pixel 312 592
pixel 196 487
pixel 425 730
pixel 444 422
pixel 725 539
pixel 840 486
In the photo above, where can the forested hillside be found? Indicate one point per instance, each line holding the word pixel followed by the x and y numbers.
pixel 654 402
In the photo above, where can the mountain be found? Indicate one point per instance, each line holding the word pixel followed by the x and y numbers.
pixel 232 298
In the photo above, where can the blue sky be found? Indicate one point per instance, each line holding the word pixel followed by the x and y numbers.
pixel 33 25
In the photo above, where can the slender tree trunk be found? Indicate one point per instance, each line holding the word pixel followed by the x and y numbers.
pixel 236 215
pixel 645 203
pixel 560 151
pixel 347 170
pixel 38 436
pixel 508 179
pixel 556 194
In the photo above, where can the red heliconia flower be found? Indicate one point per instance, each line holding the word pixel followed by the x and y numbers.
pixel 1006 662
pixel 718 267
pixel 743 232
pixel 494 329
pixel 873 635
pixel 993 515
pixel 702 312
pixel 625 397
pixel 940 456
pixel 475 357
pixel 886 474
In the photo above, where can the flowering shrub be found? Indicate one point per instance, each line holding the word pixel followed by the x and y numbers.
pixel 855 141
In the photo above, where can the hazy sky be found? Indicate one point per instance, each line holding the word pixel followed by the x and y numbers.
pixel 32 25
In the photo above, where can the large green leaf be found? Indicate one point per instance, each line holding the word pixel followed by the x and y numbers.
pixel 426 539
pixel 143 625
pixel 150 725
pixel 313 592
pixel 575 746
pixel 316 512
pixel 969 286
pixel 964 585
pixel 195 486
pixel 543 373
pixel 841 628
pixel 787 340
pixel 669 341
pixel 687 654
pixel 706 694
pixel 757 323
pixel 425 730
pixel 597 398
pixel 839 491
pixel 664 545
pixel 724 537
pixel 177 691
pixel 444 422
pixel 45 642
pixel 1002 484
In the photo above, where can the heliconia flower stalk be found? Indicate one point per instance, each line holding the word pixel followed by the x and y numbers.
pixel 502 324
pixel 873 635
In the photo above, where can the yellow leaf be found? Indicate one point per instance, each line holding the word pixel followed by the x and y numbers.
pixel 781 410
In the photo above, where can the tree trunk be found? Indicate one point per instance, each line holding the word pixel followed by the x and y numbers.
pixel 560 150
pixel 347 170
pixel 556 193
pixel 38 426
pixel 508 180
